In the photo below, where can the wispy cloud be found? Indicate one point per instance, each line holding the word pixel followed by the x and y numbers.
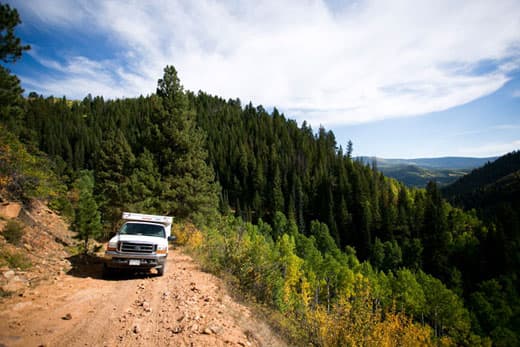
pixel 365 61
pixel 499 128
pixel 490 149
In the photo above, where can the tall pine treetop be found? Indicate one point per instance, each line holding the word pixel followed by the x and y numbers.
pixel 11 47
pixel 170 89
pixel 188 186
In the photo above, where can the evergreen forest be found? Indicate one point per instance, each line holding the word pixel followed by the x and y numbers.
pixel 345 254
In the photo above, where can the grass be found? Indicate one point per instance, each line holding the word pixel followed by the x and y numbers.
pixel 14 259
pixel 76 249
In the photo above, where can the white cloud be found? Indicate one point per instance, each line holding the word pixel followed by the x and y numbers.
pixel 490 149
pixel 367 61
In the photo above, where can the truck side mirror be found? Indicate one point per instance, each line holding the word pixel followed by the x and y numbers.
pixel 172 238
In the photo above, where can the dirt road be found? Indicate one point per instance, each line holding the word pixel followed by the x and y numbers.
pixel 185 307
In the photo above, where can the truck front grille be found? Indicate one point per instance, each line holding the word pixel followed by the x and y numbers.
pixel 132 247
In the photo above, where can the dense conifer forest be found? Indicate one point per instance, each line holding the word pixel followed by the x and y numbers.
pixel 329 241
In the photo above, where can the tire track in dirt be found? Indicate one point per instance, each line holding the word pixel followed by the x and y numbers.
pixel 185 307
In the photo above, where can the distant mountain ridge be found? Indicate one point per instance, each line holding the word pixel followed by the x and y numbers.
pixel 437 163
pixel 419 171
pixel 493 175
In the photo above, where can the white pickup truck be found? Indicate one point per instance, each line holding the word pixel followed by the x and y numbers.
pixel 140 244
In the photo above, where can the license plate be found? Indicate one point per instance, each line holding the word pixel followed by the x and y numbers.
pixel 134 262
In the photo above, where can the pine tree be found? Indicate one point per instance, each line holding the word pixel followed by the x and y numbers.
pixel 145 184
pixel 88 219
pixel 11 49
pixel 188 181
pixel 435 234
pixel 113 168
pixel 10 46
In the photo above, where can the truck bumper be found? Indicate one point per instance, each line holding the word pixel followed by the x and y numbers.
pixel 133 260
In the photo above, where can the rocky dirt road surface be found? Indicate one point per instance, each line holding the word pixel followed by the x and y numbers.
pixel 185 307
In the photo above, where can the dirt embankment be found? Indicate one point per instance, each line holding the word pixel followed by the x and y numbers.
pixel 76 307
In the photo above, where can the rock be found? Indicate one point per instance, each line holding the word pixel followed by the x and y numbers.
pixel 9 274
pixel 10 210
pixel 216 329
pixel 177 330
pixel 27 246
pixel 68 316
pixel 207 331
pixel 15 284
pixel 146 306
pixel 136 329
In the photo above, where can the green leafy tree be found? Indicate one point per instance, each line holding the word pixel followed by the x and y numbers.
pixel 324 242
pixel 25 175
pixel 291 266
pixel 408 292
pixel 378 254
pixel 444 310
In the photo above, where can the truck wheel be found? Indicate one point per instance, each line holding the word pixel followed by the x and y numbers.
pixel 160 271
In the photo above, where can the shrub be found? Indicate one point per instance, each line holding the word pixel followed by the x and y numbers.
pixel 13 232
pixel 14 259
pixel 5 293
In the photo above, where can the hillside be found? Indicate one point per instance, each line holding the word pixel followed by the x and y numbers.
pixel 494 192
pixel 418 172
pixel 481 179
pixel 37 253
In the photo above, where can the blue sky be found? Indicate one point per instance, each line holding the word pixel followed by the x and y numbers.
pixel 401 79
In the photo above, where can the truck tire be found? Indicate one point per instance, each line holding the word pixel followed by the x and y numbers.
pixel 107 272
pixel 160 271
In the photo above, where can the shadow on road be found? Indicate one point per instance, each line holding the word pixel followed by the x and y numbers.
pixel 91 265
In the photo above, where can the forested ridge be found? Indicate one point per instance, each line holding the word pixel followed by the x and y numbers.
pixel 342 251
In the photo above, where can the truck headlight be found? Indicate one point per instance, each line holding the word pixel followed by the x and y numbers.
pixel 162 249
pixel 112 246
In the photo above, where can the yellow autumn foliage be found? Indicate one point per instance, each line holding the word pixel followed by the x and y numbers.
pixel 188 235
pixel 353 321
pixel 318 304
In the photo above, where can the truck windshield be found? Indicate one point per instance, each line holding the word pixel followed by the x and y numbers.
pixel 142 229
